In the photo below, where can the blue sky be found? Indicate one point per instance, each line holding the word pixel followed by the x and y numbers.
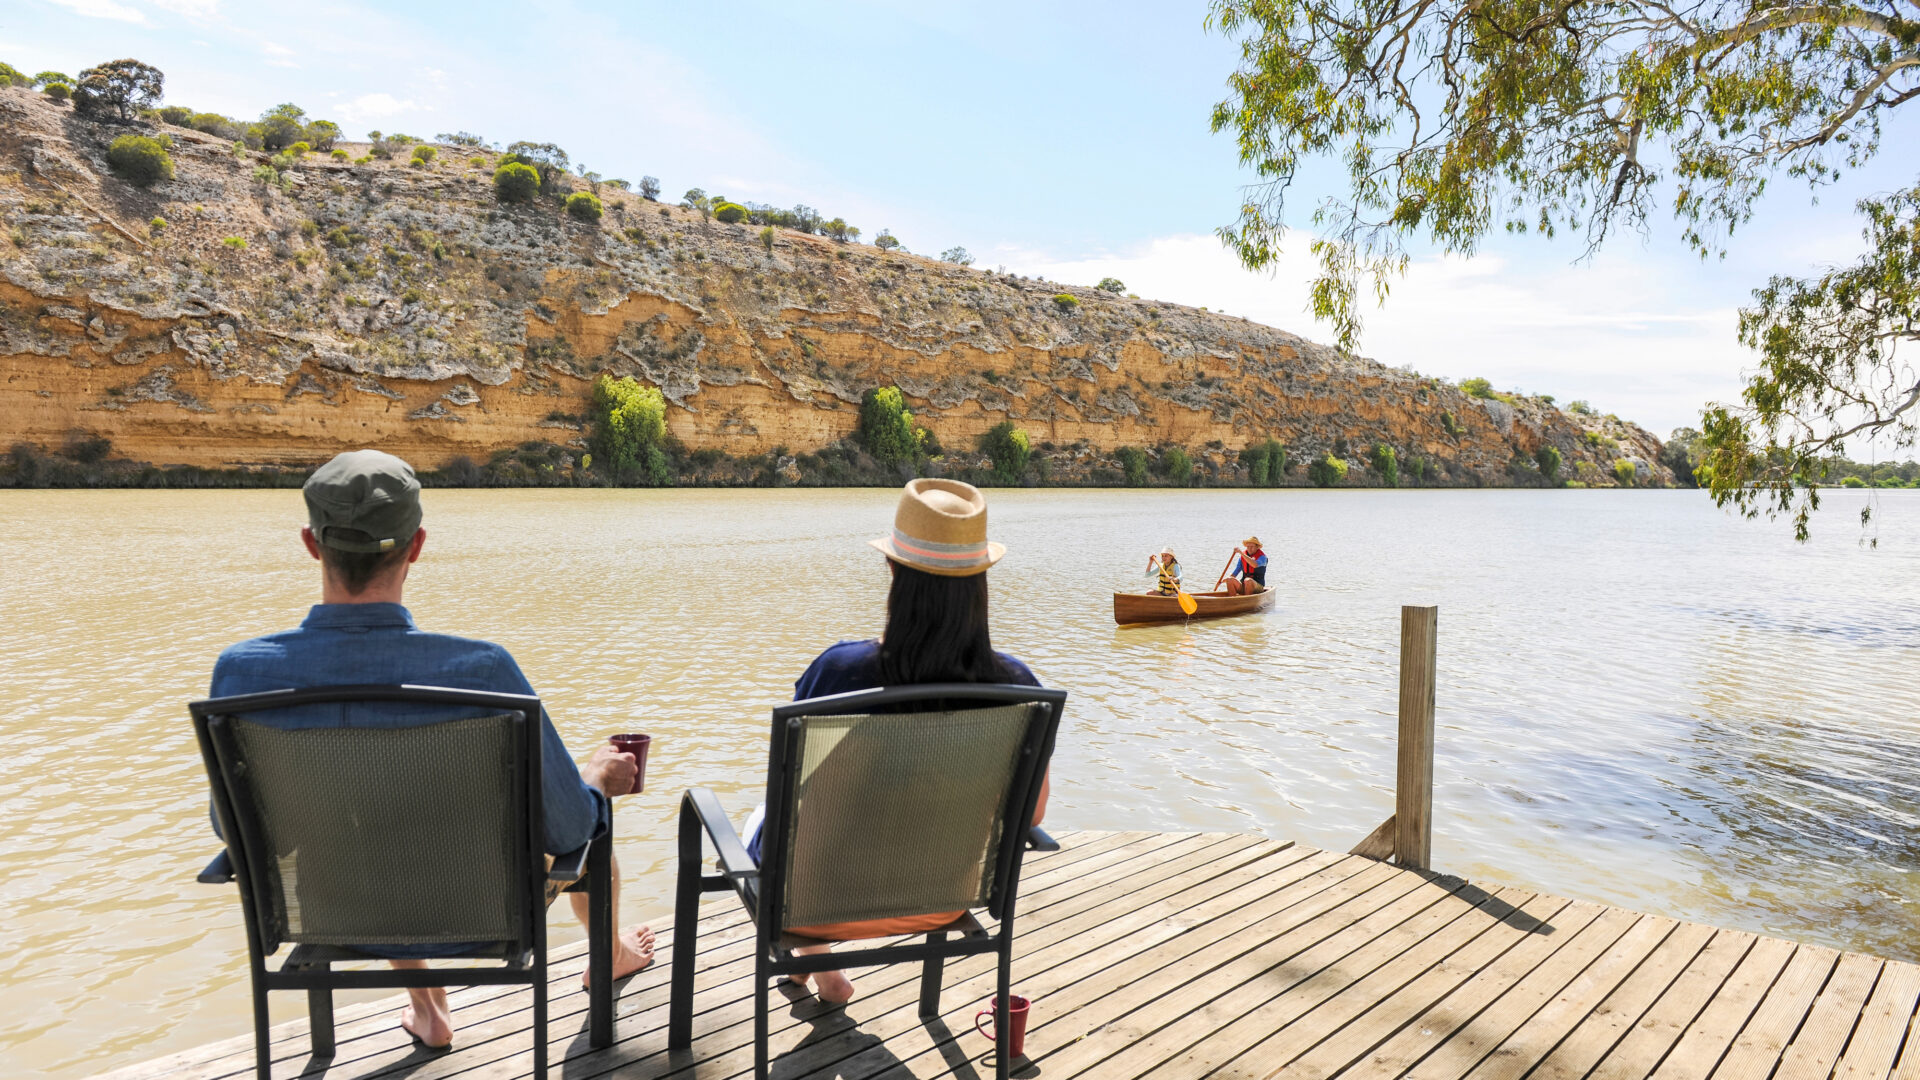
pixel 1064 139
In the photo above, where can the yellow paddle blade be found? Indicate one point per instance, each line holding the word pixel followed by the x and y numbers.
pixel 1187 603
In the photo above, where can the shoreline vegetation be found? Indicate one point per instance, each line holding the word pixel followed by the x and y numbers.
pixel 627 445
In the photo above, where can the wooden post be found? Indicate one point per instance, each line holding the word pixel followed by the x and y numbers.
pixel 1413 792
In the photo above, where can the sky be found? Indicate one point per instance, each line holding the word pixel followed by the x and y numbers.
pixel 1068 140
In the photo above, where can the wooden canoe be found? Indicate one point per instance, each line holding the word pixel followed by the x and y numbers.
pixel 1152 607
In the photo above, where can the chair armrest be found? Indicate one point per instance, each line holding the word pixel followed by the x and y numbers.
pixel 1038 840
pixel 734 859
pixel 218 872
pixel 570 866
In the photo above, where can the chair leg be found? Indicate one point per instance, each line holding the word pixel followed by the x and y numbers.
pixel 320 1017
pixel 760 1049
pixel 686 929
pixel 1003 1009
pixel 262 1037
pixel 930 979
pixel 600 942
pixel 540 1023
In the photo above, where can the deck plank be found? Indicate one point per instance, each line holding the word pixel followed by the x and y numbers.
pixel 1356 1039
pixel 1521 1050
pixel 1706 1040
pixel 1398 1048
pixel 1218 955
pixel 1643 1048
pixel 1291 1025
pixel 1883 1025
pixel 1757 1051
pixel 1602 1030
pixel 1813 1053
pixel 1460 1051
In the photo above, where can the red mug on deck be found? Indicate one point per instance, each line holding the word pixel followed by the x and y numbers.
pixel 1017 1008
pixel 637 746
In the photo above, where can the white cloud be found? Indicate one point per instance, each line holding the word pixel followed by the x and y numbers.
pixel 193 9
pixel 102 9
pixel 371 107
pixel 1630 334
pixel 275 49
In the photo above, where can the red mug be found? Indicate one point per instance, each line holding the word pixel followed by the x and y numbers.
pixel 637 746
pixel 1017 1008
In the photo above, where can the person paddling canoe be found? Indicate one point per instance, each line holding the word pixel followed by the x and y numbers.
pixel 1249 572
pixel 1166 569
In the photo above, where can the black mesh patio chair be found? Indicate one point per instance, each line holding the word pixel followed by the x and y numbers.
pixel 880 804
pixel 343 837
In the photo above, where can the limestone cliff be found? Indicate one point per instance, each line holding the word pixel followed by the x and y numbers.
pixel 217 321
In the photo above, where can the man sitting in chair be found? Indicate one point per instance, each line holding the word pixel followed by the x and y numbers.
pixel 363 511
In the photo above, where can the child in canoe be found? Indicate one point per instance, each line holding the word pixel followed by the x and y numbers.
pixel 1166 570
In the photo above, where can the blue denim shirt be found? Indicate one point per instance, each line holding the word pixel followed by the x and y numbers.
pixel 341 644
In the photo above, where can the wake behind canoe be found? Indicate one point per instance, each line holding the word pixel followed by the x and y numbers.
pixel 1153 607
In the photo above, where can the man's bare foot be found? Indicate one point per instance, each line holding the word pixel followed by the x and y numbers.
pixel 427 1019
pixel 632 952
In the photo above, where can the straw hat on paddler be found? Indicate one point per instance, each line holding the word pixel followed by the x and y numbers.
pixel 940 527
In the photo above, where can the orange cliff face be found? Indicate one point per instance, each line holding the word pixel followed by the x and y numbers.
pixel 218 321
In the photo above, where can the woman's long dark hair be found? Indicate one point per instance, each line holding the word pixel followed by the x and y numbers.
pixel 937 630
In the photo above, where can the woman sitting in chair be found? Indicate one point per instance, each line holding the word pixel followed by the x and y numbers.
pixel 936 632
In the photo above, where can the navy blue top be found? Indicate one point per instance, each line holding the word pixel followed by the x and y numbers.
pixel 855 665
pixel 345 644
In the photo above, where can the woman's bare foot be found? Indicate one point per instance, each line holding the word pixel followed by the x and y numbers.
pixel 427 1018
pixel 833 987
pixel 632 952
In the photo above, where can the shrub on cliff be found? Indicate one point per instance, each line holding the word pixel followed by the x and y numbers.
pixel 548 160
pixel 1112 284
pixel 1548 458
pixel 1451 424
pixel 1266 462
pixel 515 183
pixel 1387 464
pixel 58 91
pixel 957 255
pixel 423 156
pixel 887 430
pixel 1009 449
pixel 1478 388
pixel 730 213
pixel 1177 465
pixel 886 241
pixel 140 160
pixel 1133 463
pixel 1624 472
pixel 584 206
pixel 629 428
pixel 1066 302
pixel 1327 472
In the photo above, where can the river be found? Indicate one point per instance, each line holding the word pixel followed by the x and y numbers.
pixel 1641 700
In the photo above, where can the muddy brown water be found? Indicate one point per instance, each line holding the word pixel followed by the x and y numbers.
pixel 1641 700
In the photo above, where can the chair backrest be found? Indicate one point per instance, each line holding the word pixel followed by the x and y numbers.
pixel 902 801
pixel 425 833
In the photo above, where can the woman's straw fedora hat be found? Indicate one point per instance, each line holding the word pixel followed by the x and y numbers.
pixel 940 526
pixel 1251 541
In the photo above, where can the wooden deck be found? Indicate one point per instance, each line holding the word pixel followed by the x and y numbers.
pixel 1177 955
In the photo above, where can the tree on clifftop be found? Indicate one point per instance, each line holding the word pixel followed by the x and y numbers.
pixel 118 89
pixel 1457 117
